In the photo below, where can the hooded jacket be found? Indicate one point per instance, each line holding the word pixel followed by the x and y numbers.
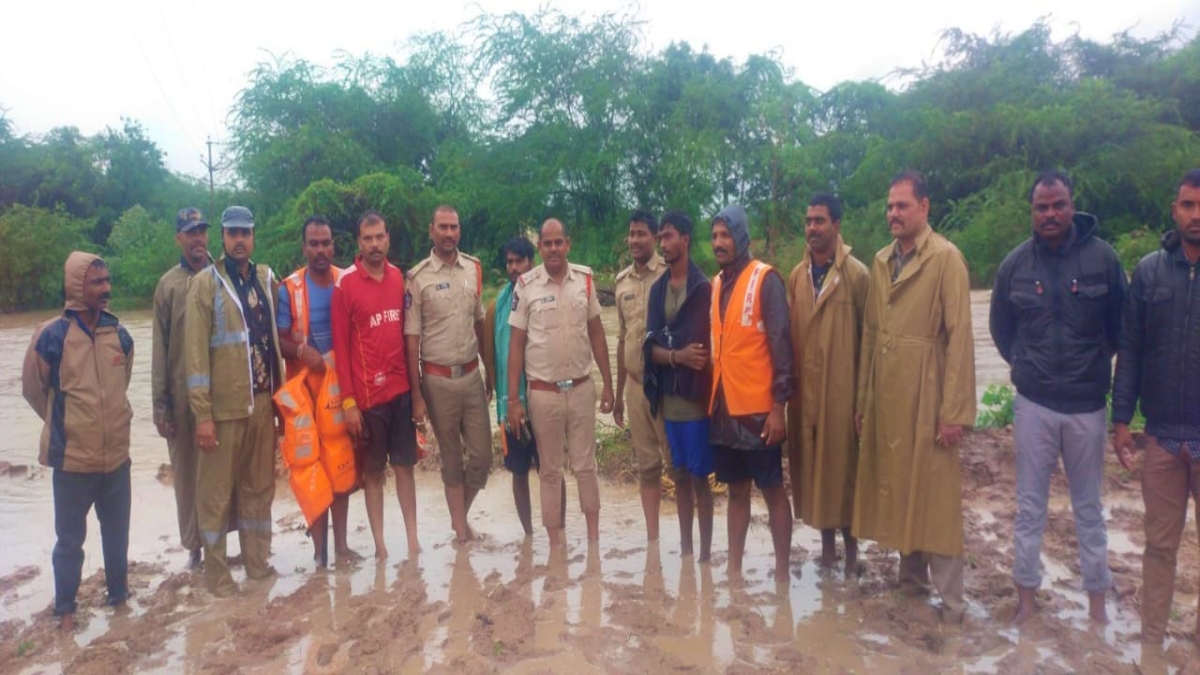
pixel 76 381
pixel 217 345
pixel 1056 318
pixel 1159 357
pixel 691 324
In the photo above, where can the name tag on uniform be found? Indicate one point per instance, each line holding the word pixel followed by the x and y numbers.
pixel 545 300
pixel 444 286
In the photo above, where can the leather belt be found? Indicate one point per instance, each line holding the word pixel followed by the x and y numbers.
pixel 559 386
pixel 449 371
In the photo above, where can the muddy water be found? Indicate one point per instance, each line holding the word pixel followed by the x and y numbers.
pixel 502 603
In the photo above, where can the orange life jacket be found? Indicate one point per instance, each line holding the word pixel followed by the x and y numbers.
pixel 741 357
pixel 300 445
pixel 337 448
pixel 305 452
pixel 312 490
pixel 297 290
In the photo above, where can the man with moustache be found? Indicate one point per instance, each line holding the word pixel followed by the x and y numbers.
pixel 916 398
pixel 305 322
pixel 553 307
pixel 76 378
pixel 368 340
pixel 520 449
pixel 1158 366
pixel 168 373
pixel 827 292
pixel 443 329
pixel 678 378
pixel 752 382
pixel 1056 319
pixel 234 366
pixel 647 433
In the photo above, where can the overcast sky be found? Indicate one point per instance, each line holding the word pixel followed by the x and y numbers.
pixel 176 65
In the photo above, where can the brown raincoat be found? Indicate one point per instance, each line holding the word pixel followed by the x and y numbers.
pixel 826 337
pixel 918 371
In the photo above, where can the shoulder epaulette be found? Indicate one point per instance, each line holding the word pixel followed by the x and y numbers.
pixel 412 272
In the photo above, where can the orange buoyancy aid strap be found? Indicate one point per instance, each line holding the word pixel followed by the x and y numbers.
pixel 297 289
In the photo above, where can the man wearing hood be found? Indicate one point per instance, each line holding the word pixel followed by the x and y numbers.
pixel 234 365
pixel 916 398
pixel 678 377
pixel 752 382
pixel 1056 319
pixel 75 377
pixel 168 372
pixel 1158 365
pixel 828 295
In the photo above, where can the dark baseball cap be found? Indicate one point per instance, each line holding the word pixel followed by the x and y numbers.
pixel 237 216
pixel 189 219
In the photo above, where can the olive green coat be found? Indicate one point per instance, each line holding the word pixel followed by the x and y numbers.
pixel 826 338
pixel 918 371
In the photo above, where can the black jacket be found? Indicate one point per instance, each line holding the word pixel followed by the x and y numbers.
pixel 692 324
pixel 1159 357
pixel 1056 318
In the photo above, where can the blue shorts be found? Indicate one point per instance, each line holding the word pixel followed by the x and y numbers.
pixel 764 467
pixel 520 454
pixel 690 448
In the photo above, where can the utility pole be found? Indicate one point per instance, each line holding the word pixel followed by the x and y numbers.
pixel 211 168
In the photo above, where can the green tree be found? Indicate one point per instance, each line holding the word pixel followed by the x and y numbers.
pixel 36 245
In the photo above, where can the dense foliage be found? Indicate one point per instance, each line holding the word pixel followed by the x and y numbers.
pixel 517 118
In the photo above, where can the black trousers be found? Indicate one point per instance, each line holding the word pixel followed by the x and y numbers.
pixel 74 496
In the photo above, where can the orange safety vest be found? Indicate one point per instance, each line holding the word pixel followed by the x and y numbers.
pixel 301 448
pixel 297 289
pixel 337 448
pixel 741 344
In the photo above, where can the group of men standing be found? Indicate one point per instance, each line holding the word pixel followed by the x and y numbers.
pixel 863 375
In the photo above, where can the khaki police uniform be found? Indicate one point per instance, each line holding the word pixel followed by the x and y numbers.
pixel 562 395
pixel 648 433
pixel 442 305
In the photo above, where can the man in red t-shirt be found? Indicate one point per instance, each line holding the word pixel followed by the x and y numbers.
pixel 368 341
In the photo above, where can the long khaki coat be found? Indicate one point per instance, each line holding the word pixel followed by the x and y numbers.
pixel 826 338
pixel 918 371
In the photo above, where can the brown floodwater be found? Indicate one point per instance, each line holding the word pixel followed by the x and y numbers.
pixel 502 603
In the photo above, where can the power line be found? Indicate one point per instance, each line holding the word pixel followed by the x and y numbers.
pixel 154 76
pixel 162 22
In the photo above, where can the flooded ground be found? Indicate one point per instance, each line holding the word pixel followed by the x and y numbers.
pixel 504 604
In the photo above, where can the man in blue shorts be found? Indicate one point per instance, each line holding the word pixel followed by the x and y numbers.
pixel 520 452
pixel 679 380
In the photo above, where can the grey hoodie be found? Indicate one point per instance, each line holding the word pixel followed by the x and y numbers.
pixel 734 217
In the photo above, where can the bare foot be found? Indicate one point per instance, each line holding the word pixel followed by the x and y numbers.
pixel 704 557
pixel 1025 612
pixel 381 554
pixel 1096 609
pixel 348 555
pixel 828 559
pixel 414 547
pixel 685 551
pixel 66 623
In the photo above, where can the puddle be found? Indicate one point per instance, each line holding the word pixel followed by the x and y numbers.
pixel 505 604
